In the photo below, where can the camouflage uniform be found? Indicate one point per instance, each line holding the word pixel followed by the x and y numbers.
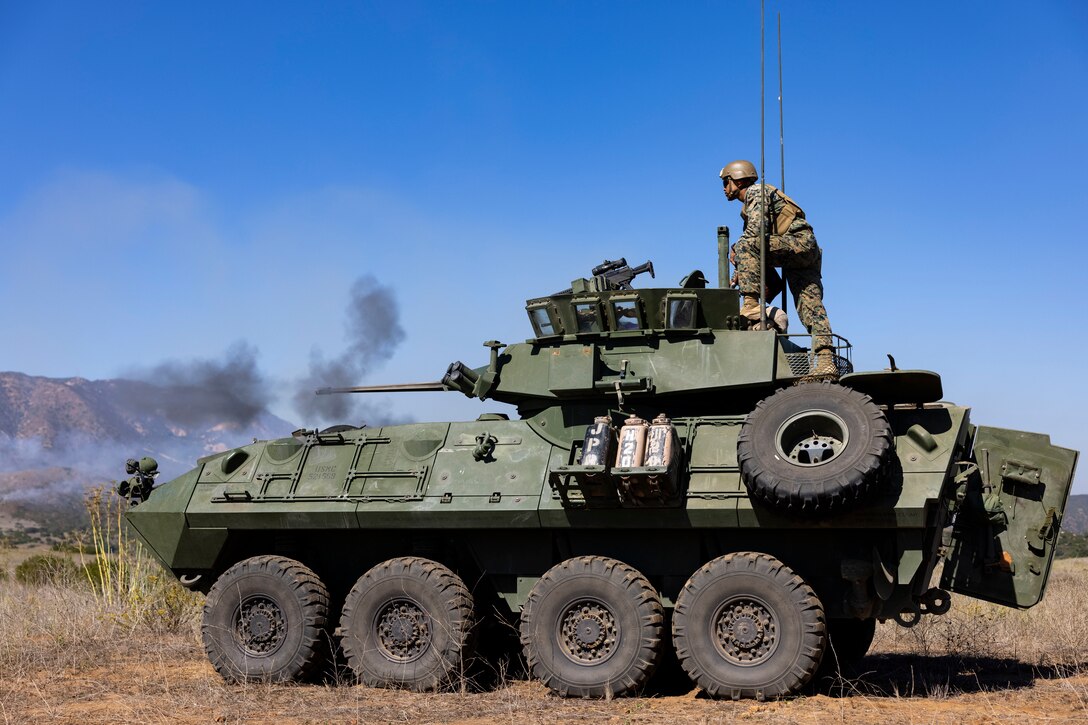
pixel 795 251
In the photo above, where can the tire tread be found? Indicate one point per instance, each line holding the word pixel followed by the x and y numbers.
pixel 310 592
pixel 832 496
pixel 454 593
pixel 650 611
pixel 804 598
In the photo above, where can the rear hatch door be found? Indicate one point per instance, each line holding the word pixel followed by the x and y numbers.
pixel 1007 524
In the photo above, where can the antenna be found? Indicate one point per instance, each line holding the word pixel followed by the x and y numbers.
pixel 782 143
pixel 781 115
pixel 762 176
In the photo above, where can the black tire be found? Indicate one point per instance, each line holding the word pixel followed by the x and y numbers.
pixel 746 626
pixel 848 641
pixel 815 448
pixel 408 623
pixel 592 627
pixel 342 428
pixel 265 621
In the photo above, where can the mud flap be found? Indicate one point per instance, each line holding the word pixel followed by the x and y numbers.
pixel 1008 515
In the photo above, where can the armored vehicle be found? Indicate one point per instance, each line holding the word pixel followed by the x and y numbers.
pixel 673 480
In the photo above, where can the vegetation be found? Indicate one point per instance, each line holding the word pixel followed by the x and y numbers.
pixel 1071 546
pixel 42 569
pixel 127 582
pixel 127 585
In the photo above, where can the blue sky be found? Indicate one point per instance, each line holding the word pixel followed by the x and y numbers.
pixel 181 177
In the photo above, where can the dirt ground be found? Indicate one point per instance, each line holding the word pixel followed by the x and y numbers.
pixel 63 658
pixel 177 684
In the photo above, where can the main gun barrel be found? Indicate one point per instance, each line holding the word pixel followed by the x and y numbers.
pixel 398 388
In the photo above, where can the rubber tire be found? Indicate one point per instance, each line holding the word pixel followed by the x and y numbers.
pixel 303 601
pixel 342 428
pixel 801 634
pixel 439 594
pixel 633 603
pixel 821 489
pixel 849 641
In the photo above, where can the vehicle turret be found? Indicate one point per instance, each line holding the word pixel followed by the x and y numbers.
pixel 603 341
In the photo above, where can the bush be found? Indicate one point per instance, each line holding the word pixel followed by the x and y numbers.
pixel 47 569
pixel 1071 546
pixel 125 580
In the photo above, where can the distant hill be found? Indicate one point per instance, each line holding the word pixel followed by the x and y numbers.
pixel 53 410
pixel 59 436
pixel 1076 514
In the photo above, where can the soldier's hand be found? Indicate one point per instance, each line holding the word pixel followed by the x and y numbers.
pixel 733 281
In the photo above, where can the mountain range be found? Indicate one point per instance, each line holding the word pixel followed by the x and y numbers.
pixel 60 436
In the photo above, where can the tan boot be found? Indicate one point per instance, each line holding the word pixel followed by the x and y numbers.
pixel 824 366
pixel 749 308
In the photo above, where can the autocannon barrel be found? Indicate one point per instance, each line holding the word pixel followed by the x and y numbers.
pixel 398 388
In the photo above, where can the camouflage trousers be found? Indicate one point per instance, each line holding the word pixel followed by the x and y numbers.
pixel 801 260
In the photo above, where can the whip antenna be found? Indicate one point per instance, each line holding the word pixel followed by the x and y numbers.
pixel 781 141
pixel 781 115
pixel 762 176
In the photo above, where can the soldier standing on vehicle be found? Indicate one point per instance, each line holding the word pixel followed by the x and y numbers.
pixel 791 245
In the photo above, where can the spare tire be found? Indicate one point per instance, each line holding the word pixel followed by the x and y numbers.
pixel 816 448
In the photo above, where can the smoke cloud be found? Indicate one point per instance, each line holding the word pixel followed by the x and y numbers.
pixel 202 392
pixel 372 333
pixel 64 469
pixel 178 411
pixel 234 391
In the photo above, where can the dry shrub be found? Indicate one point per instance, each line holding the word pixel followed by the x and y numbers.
pixel 42 569
pixel 1052 634
pixel 61 616
pixel 128 584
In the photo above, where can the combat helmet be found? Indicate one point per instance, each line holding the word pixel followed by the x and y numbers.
pixel 738 170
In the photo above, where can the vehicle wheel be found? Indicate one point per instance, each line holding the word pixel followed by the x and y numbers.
pixel 815 448
pixel 745 625
pixel 264 621
pixel 592 627
pixel 408 623
pixel 849 640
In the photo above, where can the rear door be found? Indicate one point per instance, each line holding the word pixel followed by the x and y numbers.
pixel 1007 524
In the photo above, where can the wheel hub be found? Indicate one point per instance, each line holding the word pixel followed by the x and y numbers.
pixel 814 450
pixel 260 626
pixel 812 438
pixel 403 630
pixel 746 631
pixel 588 632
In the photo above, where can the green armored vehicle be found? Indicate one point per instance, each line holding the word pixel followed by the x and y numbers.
pixel 674 480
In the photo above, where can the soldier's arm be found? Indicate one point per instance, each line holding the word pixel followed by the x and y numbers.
pixel 754 208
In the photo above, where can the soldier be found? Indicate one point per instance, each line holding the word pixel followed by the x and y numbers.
pixel 791 245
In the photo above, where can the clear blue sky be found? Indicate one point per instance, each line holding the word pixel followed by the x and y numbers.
pixel 180 177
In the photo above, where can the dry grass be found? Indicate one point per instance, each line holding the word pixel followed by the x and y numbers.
pixel 71 655
pixel 1051 635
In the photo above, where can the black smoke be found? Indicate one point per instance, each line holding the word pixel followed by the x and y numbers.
pixel 231 390
pixel 372 333
pixel 177 411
